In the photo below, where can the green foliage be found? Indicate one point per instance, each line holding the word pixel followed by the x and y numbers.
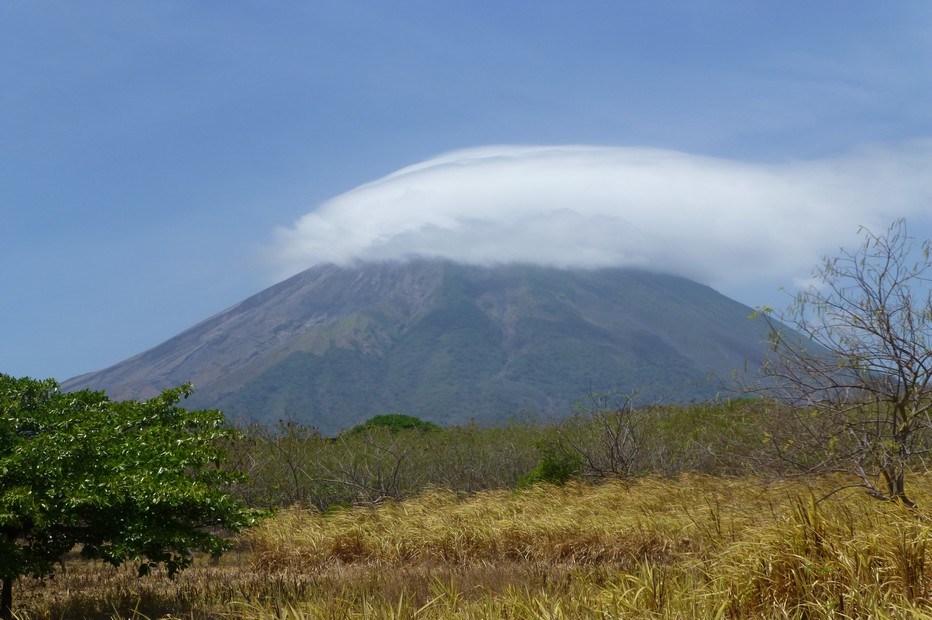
pixel 393 422
pixel 137 481
pixel 556 466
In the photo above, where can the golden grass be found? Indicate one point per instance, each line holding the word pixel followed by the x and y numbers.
pixel 692 547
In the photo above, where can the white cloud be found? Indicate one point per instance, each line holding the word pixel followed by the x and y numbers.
pixel 723 222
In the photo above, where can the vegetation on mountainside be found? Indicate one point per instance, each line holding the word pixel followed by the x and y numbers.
pixel 449 343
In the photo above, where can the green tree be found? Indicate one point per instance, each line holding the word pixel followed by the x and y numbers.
pixel 133 481
pixel 394 422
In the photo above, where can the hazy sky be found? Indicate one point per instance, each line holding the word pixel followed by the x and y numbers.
pixel 160 161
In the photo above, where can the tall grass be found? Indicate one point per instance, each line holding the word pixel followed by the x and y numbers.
pixel 686 547
pixel 691 547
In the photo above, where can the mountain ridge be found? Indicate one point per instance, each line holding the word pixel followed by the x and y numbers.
pixel 334 345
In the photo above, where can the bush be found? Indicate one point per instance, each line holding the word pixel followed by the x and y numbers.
pixel 556 466
pixel 393 422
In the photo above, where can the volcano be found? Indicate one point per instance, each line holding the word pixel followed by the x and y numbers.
pixel 335 345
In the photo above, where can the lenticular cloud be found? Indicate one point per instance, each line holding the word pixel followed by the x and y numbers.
pixel 719 221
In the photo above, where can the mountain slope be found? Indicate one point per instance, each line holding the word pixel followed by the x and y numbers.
pixel 333 346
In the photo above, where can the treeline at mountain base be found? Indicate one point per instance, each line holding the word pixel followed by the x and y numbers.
pixel 397 456
pixel 615 512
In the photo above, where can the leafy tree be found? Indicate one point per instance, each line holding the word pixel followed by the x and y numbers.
pixel 393 422
pixel 127 481
pixel 859 385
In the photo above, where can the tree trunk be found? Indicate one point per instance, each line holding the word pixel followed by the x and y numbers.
pixel 896 488
pixel 6 599
pixel 900 493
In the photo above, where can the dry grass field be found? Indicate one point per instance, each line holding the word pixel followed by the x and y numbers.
pixel 687 547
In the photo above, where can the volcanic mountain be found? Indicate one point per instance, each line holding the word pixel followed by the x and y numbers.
pixel 335 345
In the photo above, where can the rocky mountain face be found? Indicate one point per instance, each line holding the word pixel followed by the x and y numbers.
pixel 333 346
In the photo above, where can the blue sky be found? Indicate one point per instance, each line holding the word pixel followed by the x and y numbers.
pixel 160 161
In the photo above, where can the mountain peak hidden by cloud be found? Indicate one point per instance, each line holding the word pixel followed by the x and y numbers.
pixel 719 221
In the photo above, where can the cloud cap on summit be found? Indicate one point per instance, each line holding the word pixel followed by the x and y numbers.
pixel 720 221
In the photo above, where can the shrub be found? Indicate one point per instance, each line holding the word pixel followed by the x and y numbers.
pixel 556 466
pixel 394 422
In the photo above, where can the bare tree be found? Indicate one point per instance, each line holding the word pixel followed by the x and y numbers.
pixel 375 463
pixel 856 387
pixel 604 437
